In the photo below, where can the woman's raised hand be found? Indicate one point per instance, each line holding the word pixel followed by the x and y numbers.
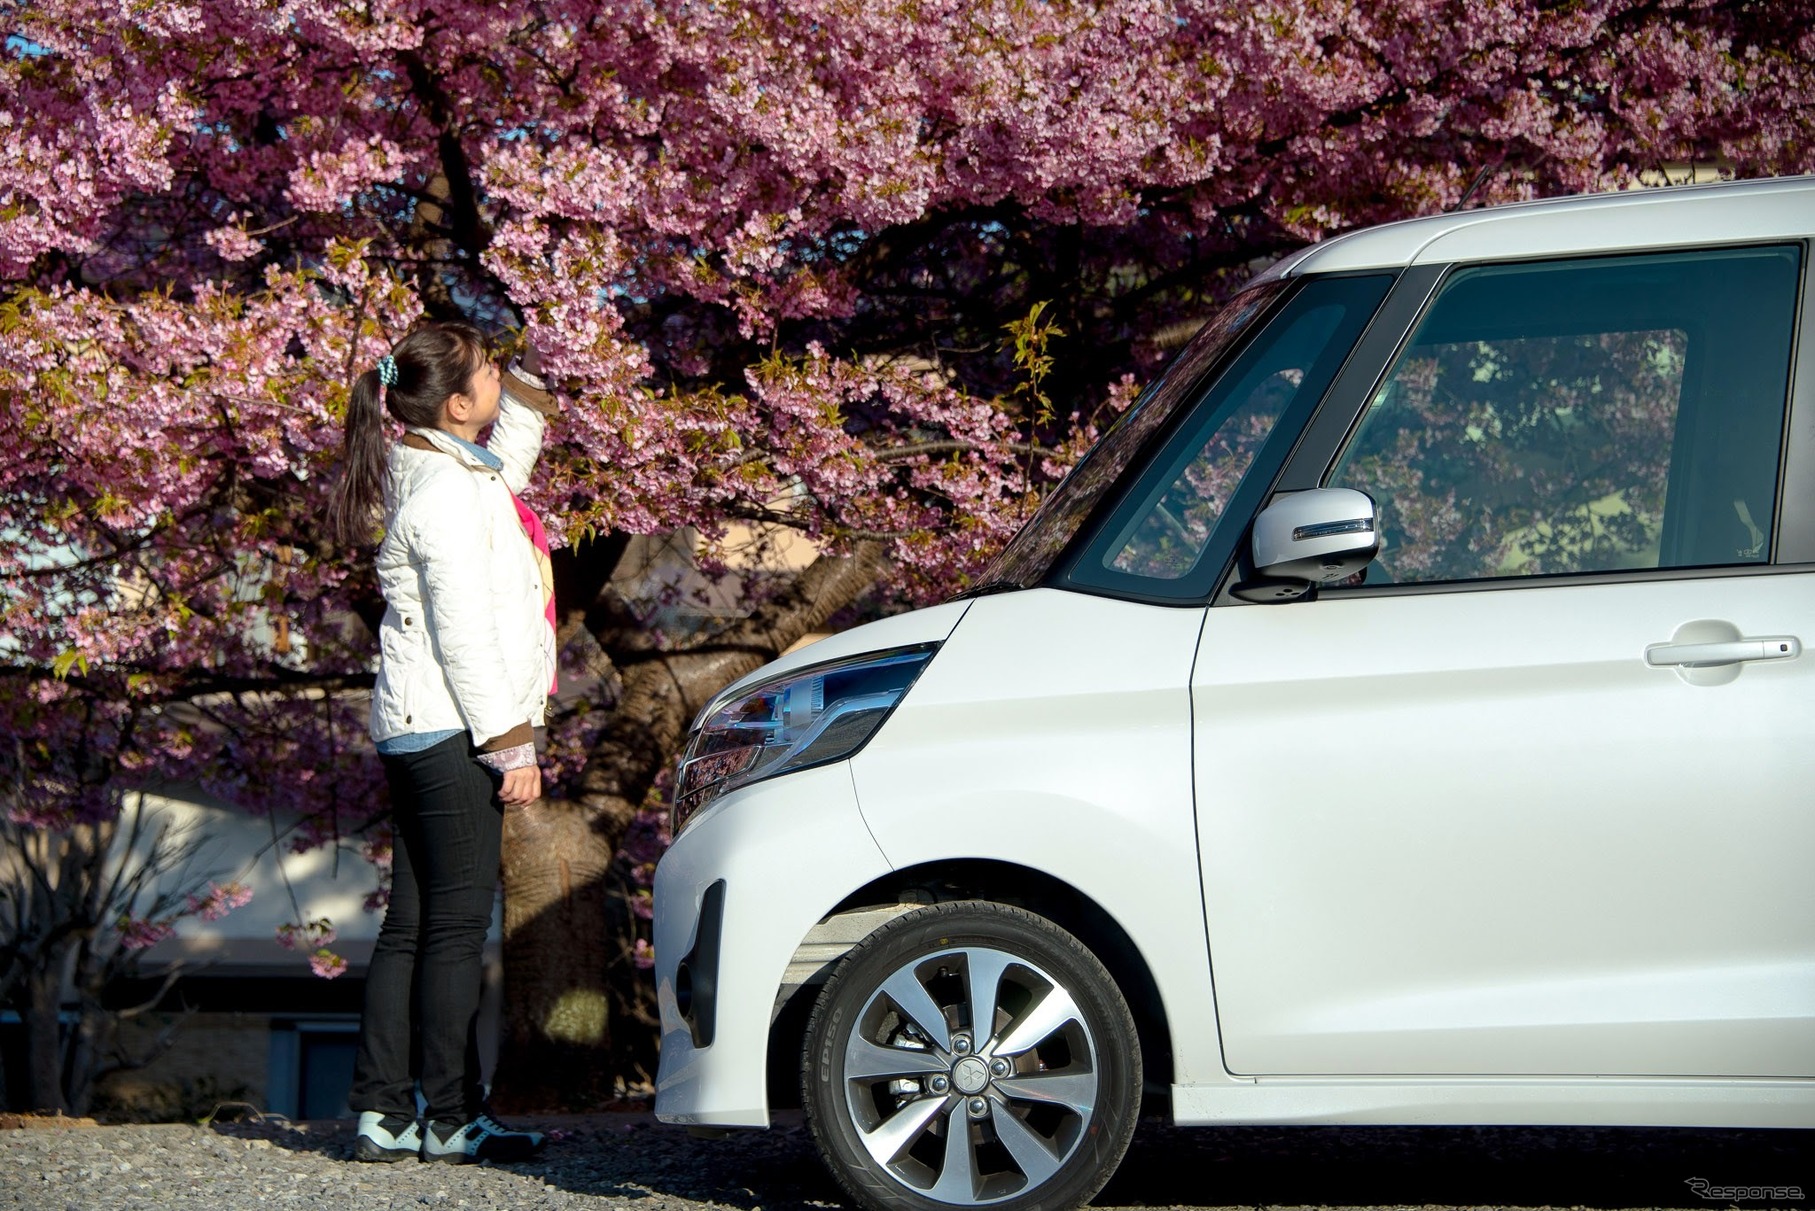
pixel 531 360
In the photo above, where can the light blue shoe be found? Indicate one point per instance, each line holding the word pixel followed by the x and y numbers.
pixel 482 1139
pixel 387 1137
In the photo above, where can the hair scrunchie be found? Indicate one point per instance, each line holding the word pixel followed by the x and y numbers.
pixel 387 370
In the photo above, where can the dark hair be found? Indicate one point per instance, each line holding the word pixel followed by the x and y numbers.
pixel 436 359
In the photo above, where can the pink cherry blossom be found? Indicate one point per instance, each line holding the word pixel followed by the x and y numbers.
pixel 326 964
pixel 218 900
pixel 139 933
pixel 768 251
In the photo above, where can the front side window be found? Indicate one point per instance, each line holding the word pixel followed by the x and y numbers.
pixel 1157 540
pixel 1583 416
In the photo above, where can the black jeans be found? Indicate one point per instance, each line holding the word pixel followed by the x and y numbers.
pixel 422 989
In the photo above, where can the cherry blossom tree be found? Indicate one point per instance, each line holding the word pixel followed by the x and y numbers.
pixel 770 251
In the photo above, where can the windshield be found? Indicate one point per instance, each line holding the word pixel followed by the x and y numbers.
pixel 1030 555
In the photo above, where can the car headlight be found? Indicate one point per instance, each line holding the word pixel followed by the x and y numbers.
pixel 808 717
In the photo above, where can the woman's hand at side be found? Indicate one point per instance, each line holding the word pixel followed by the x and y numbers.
pixel 521 786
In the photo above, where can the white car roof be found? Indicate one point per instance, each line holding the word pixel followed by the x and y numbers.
pixel 1672 216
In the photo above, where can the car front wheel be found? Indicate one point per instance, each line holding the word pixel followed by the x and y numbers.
pixel 971 1054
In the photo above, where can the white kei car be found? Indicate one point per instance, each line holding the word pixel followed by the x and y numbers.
pixel 1400 716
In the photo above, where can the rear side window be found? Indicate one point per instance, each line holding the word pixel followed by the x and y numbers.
pixel 1581 416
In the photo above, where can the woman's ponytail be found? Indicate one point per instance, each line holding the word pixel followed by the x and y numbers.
pixel 354 501
pixel 435 360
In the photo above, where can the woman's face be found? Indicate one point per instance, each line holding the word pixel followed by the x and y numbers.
pixel 486 388
pixel 469 412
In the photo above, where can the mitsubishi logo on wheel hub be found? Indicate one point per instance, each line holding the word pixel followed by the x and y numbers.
pixel 970 1074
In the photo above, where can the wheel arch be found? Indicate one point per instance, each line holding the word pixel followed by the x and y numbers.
pixel 1005 883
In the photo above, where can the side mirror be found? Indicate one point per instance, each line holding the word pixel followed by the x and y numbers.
pixel 1308 539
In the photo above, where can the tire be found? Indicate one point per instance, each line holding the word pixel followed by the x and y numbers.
pixel 913 1112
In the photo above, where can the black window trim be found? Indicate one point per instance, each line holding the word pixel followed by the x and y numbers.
pixel 1793 520
pixel 1793 537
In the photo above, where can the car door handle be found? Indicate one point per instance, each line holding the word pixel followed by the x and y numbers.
pixel 1709 655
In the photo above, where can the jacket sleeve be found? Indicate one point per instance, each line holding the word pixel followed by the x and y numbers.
pixel 517 433
pixel 457 595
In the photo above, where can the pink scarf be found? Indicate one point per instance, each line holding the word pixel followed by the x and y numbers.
pixel 538 538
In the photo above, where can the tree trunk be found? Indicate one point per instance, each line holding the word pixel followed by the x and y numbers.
pixel 41 992
pixel 561 950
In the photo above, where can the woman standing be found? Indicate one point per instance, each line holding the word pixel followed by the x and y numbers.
pixel 467 660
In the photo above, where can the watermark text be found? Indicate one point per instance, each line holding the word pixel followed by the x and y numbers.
pixel 1739 1194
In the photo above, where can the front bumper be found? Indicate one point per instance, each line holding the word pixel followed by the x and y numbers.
pixel 782 854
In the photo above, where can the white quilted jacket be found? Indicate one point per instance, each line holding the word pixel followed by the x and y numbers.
pixel 465 642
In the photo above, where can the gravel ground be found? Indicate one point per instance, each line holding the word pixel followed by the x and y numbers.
pixel 272 1164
